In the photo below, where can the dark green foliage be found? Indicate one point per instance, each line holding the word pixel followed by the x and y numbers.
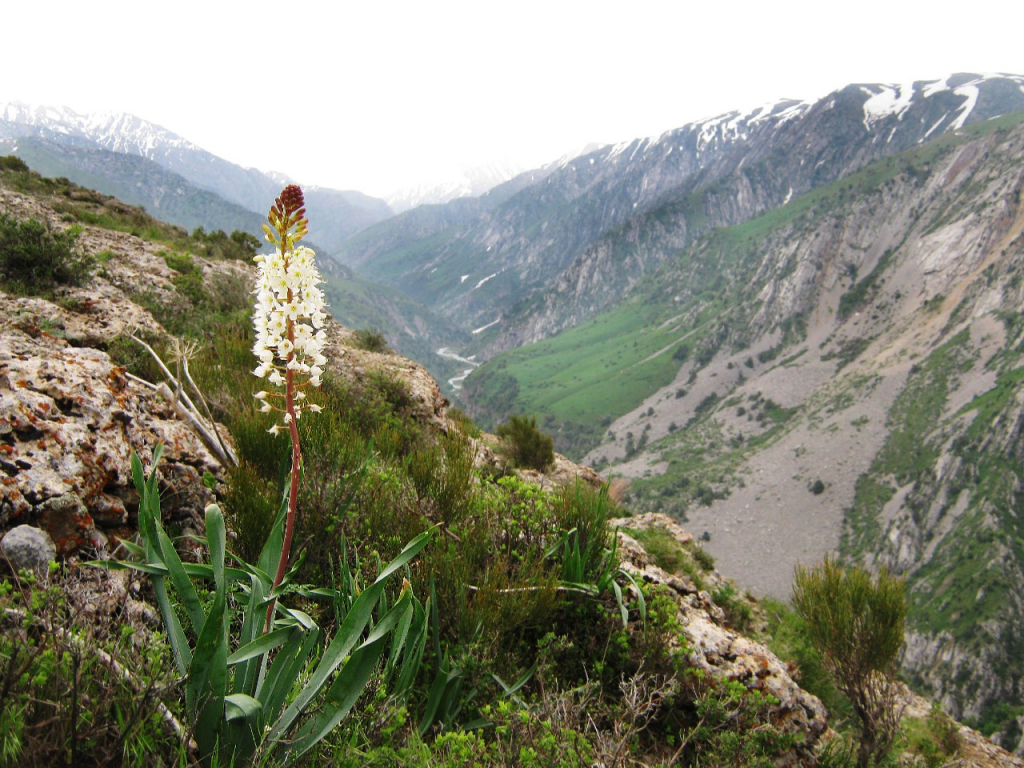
pixel 524 444
pixel 739 612
pixel 857 622
pixel 789 639
pixel 464 422
pixel 703 558
pixel 13 163
pixel 35 258
pixel 862 292
pixel 936 738
pixel 238 246
pixel 372 340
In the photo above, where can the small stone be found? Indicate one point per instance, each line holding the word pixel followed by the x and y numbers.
pixel 108 511
pixel 29 548
pixel 68 522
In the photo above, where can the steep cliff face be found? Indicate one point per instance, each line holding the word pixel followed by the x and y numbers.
pixel 851 381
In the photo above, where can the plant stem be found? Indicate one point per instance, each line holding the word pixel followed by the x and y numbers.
pixel 293 491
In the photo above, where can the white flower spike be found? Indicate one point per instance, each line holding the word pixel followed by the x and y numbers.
pixel 290 311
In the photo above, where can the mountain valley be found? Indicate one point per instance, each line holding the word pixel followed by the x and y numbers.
pixel 798 329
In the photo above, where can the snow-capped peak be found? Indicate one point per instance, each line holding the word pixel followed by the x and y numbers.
pixel 116 131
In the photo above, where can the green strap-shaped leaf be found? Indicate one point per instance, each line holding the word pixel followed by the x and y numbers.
pixel 287 666
pixel 241 706
pixel 120 565
pixel 208 673
pixel 182 583
pixel 640 600
pixel 175 634
pixel 270 555
pixel 295 616
pixel 438 691
pixel 347 637
pixel 149 526
pixel 132 548
pixel 246 676
pixel 204 571
pixel 523 680
pixel 260 645
pixel 350 683
pixel 622 605
pixel 348 686
pixel 414 655
pixel 400 636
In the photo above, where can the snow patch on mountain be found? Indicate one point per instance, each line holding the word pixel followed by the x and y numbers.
pixel 483 328
pixel 115 131
pixel 889 100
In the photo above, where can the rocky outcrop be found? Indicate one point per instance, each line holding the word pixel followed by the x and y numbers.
pixel 71 419
pixel 722 653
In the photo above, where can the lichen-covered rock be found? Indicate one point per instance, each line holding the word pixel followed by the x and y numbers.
pixel 69 420
pixel 68 522
pixel 28 547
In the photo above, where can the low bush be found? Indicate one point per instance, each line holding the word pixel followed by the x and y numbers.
pixel 525 445
pixel 372 340
pixel 35 258
pixel 77 686
pixel 12 163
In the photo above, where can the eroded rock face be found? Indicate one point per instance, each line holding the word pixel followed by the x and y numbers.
pixel 69 420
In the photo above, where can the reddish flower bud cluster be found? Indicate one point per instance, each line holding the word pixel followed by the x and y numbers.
pixel 291 198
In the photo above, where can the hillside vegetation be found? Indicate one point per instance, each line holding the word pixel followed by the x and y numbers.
pixel 533 656
pixel 852 359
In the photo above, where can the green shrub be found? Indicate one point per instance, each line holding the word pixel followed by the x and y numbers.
pixel 372 340
pixel 703 558
pixel 857 624
pixel 525 445
pixel 463 422
pixel 35 258
pixel 12 163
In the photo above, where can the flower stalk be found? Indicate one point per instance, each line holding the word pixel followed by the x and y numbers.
pixel 289 321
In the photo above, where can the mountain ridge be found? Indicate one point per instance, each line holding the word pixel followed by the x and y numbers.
pixel 530 245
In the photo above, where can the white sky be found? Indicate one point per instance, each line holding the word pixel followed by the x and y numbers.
pixel 383 94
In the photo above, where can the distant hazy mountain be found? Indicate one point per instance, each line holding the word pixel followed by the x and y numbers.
pixel 346 211
pixel 472 182
pixel 136 180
